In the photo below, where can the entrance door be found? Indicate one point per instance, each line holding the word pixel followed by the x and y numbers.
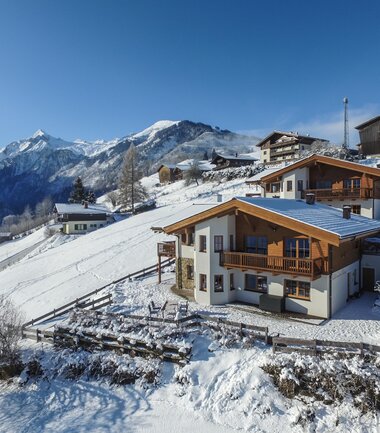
pixel 368 279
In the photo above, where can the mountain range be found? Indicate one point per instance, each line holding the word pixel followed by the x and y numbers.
pixel 42 165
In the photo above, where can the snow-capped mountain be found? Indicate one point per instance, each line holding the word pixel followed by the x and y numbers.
pixel 42 165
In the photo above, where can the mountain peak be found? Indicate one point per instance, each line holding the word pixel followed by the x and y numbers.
pixel 39 133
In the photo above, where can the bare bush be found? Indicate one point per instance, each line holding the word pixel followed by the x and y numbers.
pixel 10 330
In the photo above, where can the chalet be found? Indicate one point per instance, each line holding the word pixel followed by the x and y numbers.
pixel 334 182
pixel 284 146
pixel 295 256
pixel 369 133
pixel 168 173
pixel 81 219
pixel 226 161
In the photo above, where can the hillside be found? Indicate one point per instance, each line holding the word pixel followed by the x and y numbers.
pixel 32 168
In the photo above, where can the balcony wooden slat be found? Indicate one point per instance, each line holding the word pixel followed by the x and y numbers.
pixel 341 193
pixel 282 265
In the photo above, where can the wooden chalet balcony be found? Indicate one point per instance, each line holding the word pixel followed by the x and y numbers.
pixel 342 193
pixel 280 265
pixel 166 249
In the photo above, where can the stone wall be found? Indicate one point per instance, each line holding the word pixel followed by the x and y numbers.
pixel 181 273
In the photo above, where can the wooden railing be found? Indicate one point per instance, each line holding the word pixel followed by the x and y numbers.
pixel 166 249
pixel 284 265
pixel 341 193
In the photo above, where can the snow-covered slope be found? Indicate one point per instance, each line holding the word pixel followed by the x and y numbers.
pixel 42 165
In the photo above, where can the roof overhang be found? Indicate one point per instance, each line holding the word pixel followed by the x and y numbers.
pixel 320 159
pixel 235 206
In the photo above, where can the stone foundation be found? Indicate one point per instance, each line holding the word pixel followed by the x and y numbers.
pixel 184 283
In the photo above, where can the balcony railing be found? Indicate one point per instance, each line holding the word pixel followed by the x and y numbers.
pixel 342 193
pixel 283 265
pixel 166 249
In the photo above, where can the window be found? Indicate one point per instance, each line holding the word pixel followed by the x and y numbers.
pixel 203 282
pixel 183 238
pixel 218 243
pixel 232 285
pixel 297 248
pixel 190 272
pixel 299 185
pixel 93 226
pixel 255 283
pixel 218 283
pixel 202 243
pixel 297 289
pixel 289 185
pixel 275 187
pixel 80 226
pixel 356 209
pixel 191 238
pixel 351 183
pixel 256 244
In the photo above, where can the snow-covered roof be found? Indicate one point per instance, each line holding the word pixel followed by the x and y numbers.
pixel 240 157
pixel 76 208
pixel 5 234
pixel 257 177
pixel 321 216
pixel 188 212
pixel 203 165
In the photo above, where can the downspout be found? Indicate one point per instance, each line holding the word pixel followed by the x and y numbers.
pixel 360 266
pixel 330 280
pixel 179 265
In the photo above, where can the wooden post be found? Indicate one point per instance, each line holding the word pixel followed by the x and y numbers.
pixel 159 269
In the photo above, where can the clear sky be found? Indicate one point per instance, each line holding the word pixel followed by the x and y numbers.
pixel 105 68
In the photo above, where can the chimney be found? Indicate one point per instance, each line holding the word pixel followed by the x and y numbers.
pixel 310 198
pixel 347 212
pixel 219 198
pixel 85 204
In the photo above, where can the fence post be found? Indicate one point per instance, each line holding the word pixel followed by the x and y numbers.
pixel 266 335
pixel 315 347
pixel 37 337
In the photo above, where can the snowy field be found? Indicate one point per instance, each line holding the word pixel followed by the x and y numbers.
pixel 221 391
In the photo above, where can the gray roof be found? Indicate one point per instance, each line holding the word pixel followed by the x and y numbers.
pixel 76 208
pixel 321 216
pixel 234 157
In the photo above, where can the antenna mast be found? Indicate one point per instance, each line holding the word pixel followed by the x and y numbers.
pixel 346 142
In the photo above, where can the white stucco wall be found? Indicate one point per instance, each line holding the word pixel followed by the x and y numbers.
pixel 69 227
pixel 343 285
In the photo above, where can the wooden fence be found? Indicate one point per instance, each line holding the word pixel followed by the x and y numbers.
pixel 123 344
pixel 78 301
pixel 315 347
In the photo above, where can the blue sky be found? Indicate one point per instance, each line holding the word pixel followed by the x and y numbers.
pixel 103 69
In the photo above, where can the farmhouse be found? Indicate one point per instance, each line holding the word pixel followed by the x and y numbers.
pixel 369 133
pixel 5 236
pixel 286 254
pixel 81 219
pixel 225 161
pixel 333 181
pixel 168 173
pixel 284 146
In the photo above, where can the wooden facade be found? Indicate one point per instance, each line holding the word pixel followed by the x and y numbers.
pixel 169 173
pixel 369 133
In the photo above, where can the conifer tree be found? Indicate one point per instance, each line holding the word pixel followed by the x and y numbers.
pixel 130 189
pixel 90 197
pixel 78 194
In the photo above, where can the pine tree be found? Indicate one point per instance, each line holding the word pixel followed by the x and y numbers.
pixel 90 197
pixel 130 189
pixel 205 156
pixel 78 194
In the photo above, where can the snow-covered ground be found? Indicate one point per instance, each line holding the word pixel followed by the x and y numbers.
pixel 11 248
pixel 223 391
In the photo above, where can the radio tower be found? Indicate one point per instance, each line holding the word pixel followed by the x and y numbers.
pixel 346 142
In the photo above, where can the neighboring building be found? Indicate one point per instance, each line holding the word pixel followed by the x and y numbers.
pixel 255 250
pixel 168 173
pixel 283 146
pixel 81 219
pixel 369 133
pixel 333 181
pixel 226 161
pixel 5 236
